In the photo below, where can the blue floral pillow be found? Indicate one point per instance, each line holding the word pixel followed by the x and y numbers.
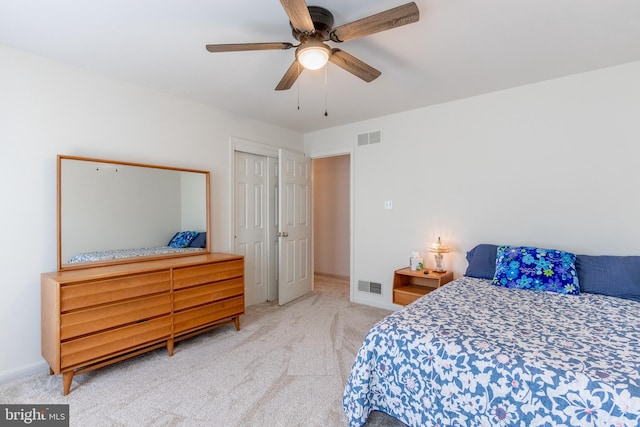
pixel 182 239
pixel 538 269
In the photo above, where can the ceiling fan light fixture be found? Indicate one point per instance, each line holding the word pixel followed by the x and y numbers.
pixel 313 54
pixel 313 25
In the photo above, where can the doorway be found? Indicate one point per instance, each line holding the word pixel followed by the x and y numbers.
pixel 331 221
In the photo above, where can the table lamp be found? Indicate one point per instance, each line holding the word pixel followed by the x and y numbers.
pixel 438 248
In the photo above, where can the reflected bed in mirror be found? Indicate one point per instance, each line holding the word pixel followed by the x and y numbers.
pixel 112 212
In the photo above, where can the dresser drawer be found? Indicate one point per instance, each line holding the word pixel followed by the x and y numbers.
pixel 105 344
pixel 82 322
pixel 201 316
pixel 199 275
pixel 83 295
pixel 205 294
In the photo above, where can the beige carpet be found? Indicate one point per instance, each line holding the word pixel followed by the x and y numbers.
pixel 287 366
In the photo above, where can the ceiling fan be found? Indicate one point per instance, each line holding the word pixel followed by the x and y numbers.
pixel 312 26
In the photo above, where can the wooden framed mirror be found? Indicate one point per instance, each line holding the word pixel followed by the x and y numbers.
pixel 115 212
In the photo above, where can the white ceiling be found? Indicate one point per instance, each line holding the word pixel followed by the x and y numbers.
pixel 459 48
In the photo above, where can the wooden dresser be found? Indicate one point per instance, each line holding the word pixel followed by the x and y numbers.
pixel 97 316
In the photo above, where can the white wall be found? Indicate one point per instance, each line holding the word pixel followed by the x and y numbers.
pixel 46 109
pixel 194 207
pixel 553 164
pixel 91 221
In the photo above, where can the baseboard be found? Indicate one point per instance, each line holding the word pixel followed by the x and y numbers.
pixel 23 371
pixel 332 276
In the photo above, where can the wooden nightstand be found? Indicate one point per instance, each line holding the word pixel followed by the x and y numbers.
pixel 409 285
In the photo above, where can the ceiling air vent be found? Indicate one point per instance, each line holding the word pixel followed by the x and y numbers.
pixel 370 138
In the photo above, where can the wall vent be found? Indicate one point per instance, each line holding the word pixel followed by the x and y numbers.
pixel 370 138
pixel 371 287
pixel 375 137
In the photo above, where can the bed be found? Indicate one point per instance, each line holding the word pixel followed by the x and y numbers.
pixel 128 253
pixel 181 242
pixel 474 353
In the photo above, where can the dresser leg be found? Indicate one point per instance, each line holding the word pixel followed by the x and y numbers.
pixel 51 371
pixel 236 321
pixel 170 347
pixel 67 377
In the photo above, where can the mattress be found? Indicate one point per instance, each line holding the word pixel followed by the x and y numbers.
pixel 128 253
pixel 471 353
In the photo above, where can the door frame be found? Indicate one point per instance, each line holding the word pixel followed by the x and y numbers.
pixel 352 237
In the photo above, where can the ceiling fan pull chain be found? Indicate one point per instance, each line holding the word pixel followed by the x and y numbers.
pixel 326 72
pixel 298 85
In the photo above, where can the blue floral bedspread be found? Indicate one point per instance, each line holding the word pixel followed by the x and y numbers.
pixel 474 354
pixel 128 253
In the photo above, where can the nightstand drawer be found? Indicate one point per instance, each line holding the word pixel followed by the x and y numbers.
pixel 408 294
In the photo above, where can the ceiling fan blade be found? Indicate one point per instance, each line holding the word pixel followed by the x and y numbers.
pixel 290 76
pixel 238 47
pixel 298 14
pixel 392 18
pixel 353 65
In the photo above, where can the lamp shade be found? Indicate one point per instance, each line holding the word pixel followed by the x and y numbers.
pixel 439 247
pixel 313 55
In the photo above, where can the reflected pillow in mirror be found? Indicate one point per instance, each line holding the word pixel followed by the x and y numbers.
pixel 200 241
pixel 182 239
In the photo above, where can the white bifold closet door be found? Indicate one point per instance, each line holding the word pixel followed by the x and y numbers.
pixel 272 225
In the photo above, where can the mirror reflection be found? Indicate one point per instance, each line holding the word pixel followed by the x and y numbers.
pixel 112 212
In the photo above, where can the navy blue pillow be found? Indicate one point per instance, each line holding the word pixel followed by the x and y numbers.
pixel 482 261
pixel 617 276
pixel 200 241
